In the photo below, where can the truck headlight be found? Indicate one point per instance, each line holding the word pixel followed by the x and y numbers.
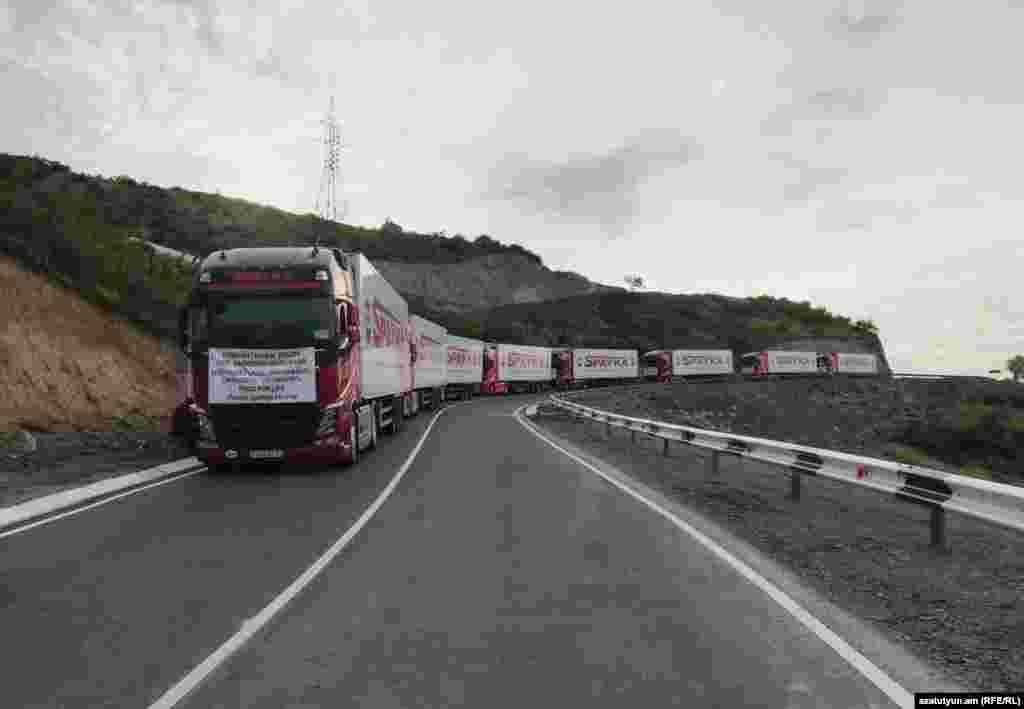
pixel 327 423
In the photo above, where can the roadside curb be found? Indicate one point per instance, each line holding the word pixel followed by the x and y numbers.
pixel 57 502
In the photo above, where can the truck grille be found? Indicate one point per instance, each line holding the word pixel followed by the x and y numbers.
pixel 244 426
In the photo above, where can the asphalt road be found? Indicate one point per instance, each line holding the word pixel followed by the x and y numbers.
pixel 500 573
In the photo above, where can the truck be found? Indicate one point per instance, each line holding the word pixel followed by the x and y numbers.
pixel 430 362
pixel 523 368
pixel 297 354
pixel 779 362
pixel 491 383
pixel 853 363
pixel 664 365
pixel 465 370
pixel 595 367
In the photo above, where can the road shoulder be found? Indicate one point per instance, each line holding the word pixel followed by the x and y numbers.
pixel 857 560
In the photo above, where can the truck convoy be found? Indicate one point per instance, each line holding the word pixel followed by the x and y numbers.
pixel 307 354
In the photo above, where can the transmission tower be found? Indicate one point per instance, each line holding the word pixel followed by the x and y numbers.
pixel 327 197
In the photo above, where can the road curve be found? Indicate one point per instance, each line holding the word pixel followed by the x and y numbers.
pixel 503 574
pixel 109 607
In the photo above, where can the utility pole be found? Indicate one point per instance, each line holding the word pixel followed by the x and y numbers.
pixel 327 197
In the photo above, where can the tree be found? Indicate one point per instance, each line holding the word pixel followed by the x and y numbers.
pixel 634 282
pixel 1016 366
pixel 867 327
pixel 390 227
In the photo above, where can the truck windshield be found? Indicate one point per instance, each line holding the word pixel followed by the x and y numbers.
pixel 270 321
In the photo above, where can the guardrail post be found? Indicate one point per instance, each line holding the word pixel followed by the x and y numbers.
pixel 632 436
pixel 794 485
pixel 607 429
pixel 664 451
pixel 938 525
pixel 713 463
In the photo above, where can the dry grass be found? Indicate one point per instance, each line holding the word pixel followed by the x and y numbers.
pixel 67 365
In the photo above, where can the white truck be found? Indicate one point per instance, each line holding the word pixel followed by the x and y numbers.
pixel 850 363
pixel 465 370
pixel 523 368
pixel 663 365
pixel 584 367
pixel 430 369
pixel 779 362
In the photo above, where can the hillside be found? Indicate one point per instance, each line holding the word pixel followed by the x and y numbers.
pixel 85 231
pixel 69 366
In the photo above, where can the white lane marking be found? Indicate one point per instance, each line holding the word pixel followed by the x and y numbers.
pixel 38 507
pixel 880 679
pixel 250 627
pixel 105 500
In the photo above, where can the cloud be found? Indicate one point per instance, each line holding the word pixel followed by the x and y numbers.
pixel 863 214
pixel 810 178
pixel 591 188
pixel 203 19
pixel 843 102
pixel 862 22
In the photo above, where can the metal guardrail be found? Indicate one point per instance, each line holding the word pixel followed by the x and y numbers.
pixel 993 502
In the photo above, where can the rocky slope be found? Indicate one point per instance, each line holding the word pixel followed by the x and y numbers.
pixel 67 365
pixel 484 283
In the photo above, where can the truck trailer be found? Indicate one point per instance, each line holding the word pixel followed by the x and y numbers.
pixel 596 367
pixel 430 362
pixel 779 362
pixel 523 368
pixel 664 365
pixel 297 354
pixel 465 367
pixel 852 363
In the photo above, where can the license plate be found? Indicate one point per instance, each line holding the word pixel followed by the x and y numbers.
pixel 266 454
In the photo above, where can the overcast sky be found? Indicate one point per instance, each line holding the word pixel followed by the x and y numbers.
pixel 862 154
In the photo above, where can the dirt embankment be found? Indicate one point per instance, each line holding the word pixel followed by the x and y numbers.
pixel 860 416
pixel 67 365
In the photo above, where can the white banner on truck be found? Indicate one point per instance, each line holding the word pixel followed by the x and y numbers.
pixel 465 360
pixel 247 376
pixel 605 364
pixel 845 362
pixel 522 363
pixel 701 362
pixel 792 362
pixel 431 353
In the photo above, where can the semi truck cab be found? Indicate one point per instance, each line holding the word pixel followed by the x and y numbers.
pixel 271 335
